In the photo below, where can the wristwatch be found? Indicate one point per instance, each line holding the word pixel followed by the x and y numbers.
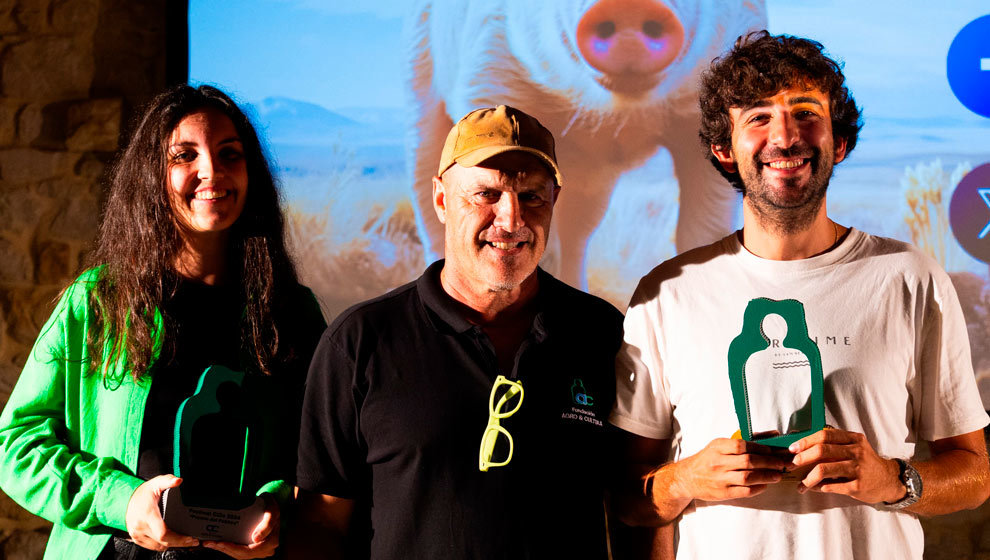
pixel 912 481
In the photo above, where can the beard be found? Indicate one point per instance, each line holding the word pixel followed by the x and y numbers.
pixel 788 207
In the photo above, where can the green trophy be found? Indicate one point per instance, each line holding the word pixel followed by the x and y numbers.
pixel 775 372
pixel 218 433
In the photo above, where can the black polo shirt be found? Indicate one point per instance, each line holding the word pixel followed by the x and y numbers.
pixel 396 404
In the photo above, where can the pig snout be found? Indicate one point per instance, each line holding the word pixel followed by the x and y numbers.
pixel 630 42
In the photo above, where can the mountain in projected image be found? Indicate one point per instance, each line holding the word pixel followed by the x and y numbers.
pixel 306 138
pixel 296 122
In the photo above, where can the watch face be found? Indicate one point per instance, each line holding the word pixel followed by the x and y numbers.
pixel 910 485
pixel 912 482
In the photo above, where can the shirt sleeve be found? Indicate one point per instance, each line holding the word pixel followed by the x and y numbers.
pixel 950 400
pixel 642 405
pixel 332 453
pixel 39 468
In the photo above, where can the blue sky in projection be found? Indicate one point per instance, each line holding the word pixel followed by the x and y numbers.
pixel 339 55
pixel 329 53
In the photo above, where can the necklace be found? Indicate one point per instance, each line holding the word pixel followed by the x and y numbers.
pixel 835 239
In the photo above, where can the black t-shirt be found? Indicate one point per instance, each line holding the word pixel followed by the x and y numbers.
pixel 396 404
pixel 206 332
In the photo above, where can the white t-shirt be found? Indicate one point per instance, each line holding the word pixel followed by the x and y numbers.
pixel 896 364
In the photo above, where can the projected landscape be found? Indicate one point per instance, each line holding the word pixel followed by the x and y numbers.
pixel 333 109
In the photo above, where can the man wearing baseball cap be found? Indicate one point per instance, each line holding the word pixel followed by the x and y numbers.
pixel 463 415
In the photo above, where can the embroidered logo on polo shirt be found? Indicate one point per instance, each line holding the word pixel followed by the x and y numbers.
pixel 584 401
pixel 580 395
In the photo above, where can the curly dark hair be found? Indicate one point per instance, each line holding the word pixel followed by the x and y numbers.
pixel 759 66
pixel 139 241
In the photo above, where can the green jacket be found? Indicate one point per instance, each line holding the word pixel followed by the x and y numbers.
pixel 69 444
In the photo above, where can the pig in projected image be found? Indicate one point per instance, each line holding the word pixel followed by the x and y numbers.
pixel 613 80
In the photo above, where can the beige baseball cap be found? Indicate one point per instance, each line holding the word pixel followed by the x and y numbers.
pixel 485 133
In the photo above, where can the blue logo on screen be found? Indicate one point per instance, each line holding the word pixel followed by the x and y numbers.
pixel 969 213
pixel 968 66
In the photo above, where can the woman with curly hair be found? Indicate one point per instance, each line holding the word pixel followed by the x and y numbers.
pixel 190 270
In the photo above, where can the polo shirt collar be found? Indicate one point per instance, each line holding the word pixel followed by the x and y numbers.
pixel 445 311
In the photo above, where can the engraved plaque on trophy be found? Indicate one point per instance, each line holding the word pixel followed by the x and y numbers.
pixel 217 435
pixel 775 373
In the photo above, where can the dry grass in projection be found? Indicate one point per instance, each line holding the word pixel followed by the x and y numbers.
pixel 927 189
pixel 350 251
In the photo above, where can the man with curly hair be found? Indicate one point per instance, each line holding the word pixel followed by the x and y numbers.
pixel 894 357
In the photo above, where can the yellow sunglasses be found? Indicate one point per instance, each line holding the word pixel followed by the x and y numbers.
pixel 497 412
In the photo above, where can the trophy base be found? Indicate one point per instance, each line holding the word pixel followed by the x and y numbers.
pixel 211 524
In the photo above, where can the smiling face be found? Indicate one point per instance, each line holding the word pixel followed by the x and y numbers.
pixel 207 174
pixel 497 219
pixel 784 151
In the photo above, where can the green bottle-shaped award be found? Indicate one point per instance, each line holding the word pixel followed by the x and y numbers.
pixel 775 372
pixel 217 437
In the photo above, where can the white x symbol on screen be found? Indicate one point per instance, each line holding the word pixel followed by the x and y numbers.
pixel 985 195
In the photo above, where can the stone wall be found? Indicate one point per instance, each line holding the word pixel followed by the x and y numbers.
pixel 71 73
